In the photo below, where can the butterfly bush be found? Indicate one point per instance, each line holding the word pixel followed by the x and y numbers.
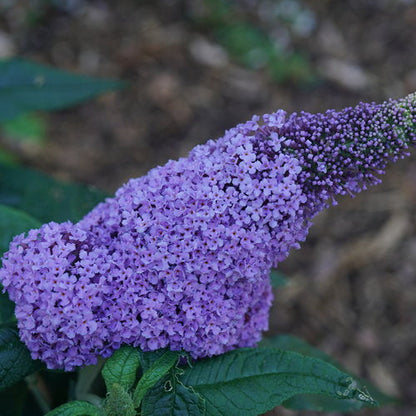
pixel 180 258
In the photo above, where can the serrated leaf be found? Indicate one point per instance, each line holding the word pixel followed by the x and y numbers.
pixel 151 376
pixel 278 279
pixel 121 368
pixel 322 403
pixel 76 408
pixel 26 86
pixel 171 398
pixel 15 360
pixel 227 382
pixel 45 198
pixel 13 222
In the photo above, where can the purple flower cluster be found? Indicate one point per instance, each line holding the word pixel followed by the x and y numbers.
pixel 180 258
pixel 343 152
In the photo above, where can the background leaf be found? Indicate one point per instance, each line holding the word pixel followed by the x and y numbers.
pixel 278 279
pixel 15 360
pixel 253 47
pixel 26 128
pixel 45 198
pixel 7 316
pixel 13 222
pixel 227 382
pixel 27 86
pixel 320 403
pixel 121 368
pixel 77 408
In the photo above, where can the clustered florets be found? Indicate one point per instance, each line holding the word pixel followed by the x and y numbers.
pixel 180 258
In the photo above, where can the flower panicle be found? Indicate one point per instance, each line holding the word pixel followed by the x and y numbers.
pixel 180 258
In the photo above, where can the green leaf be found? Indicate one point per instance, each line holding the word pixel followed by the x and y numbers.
pixel 321 403
pixel 45 198
pixel 292 343
pixel 171 398
pixel 151 376
pixel 228 382
pixel 147 358
pixel 15 360
pixel 119 402
pixel 76 408
pixel 13 222
pixel 254 47
pixel 121 368
pixel 26 128
pixel 278 279
pixel 7 316
pixel 27 86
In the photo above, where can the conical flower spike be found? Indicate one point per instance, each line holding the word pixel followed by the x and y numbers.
pixel 180 258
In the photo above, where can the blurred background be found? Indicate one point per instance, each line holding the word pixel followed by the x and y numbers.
pixel 197 67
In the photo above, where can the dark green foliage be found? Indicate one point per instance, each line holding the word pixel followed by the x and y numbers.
pixel 156 372
pixel 13 222
pixel 322 402
pixel 169 397
pixel 43 197
pixel 227 382
pixel 278 279
pixel 253 47
pixel 15 360
pixel 121 368
pixel 27 86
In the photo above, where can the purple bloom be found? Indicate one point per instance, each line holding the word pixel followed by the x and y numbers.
pixel 180 258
